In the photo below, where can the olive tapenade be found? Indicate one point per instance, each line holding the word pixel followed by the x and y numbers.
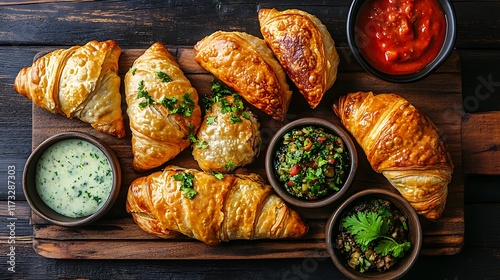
pixel 312 163
pixel 373 235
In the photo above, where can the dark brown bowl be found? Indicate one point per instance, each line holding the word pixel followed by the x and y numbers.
pixel 444 53
pixel 414 236
pixel 37 204
pixel 274 145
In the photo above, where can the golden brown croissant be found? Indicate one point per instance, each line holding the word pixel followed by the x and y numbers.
pixel 401 143
pixel 162 107
pixel 227 138
pixel 246 64
pixel 304 48
pixel 79 82
pixel 234 207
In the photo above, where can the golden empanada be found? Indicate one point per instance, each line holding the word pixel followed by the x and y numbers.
pixel 246 64
pixel 304 48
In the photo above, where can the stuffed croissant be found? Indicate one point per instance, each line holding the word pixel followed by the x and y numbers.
pixel 162 107
pixel 304 48
pixel 229 135
pixel 402 144
pixel 79 82
pixel 201 206
pixel 246 64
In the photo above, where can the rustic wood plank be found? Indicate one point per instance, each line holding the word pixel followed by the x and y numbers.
pixel 481 132
pixel 118 230
pixel 185 22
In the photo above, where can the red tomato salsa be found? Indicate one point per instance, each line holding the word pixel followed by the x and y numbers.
pixel 400 36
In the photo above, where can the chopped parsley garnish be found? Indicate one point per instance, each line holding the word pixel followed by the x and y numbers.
pixel 234 118
pixel 211 120
pixel 164 77
pixel 185 107
pixel 186 179
pixel 169 103
pixel 143 93
pixel 230 164
pixel 218 175
pixel 236 108
pixel 133 71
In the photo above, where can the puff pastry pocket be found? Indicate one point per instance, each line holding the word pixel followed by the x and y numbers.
pixel 246 64
pixel 199 205
pixel 228 138
pixel 79 82
pixel 403 144
pixel 304 48
pixel 162 107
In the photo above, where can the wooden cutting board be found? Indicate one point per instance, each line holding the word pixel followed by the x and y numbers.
pixel 116 236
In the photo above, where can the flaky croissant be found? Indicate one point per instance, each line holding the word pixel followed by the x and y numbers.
pixel 246 64
pixel 162 107
pixel 401 143
pixel 304 48
pixel 231 208
pixel 79 82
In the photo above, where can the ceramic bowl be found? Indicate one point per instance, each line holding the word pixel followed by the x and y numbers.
pixel 274 145
pixel 41 208
pixel 414 235
pixel 446 49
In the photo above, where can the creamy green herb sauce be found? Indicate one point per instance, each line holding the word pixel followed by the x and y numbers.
pixel 74 178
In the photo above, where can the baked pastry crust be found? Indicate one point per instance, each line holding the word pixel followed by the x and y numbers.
pixel 236 207
pixel 246 64
pixel 304 48
pixel 403 144
pixel 223 144
pixel 159 133
pixel 79 82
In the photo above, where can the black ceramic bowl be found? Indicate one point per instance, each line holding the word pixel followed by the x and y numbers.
pixel 274 145
pixel 446 49
pixel 414 235
pixel 41 208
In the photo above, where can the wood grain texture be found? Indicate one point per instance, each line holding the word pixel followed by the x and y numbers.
pixel 481 132
pixel 116 235
pixel 140 23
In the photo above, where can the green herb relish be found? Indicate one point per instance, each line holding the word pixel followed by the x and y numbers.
pixel 312 163
pixel 373 235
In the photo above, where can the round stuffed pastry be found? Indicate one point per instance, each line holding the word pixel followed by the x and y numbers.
pixel 229 136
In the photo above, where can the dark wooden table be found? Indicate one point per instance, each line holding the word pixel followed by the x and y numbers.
pixel 28 27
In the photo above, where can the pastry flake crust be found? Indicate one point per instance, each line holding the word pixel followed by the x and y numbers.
pixel 159 133
pixel 236 207
pixel 79 82
pixel 304 48
pixel 246 64
pixel 226 144
pixel 403 144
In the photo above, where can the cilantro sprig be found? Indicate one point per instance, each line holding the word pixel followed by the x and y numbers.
pixel 186 179
pixel 370 228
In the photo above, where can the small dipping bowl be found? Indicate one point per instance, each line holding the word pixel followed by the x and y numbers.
pixel 105 202
pixel 276 142
pixel 404 264
pixel 357 37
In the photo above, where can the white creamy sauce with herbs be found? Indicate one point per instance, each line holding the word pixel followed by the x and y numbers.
pixel 74 178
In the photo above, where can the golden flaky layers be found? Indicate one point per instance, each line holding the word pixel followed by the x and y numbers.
pixel 403 144
pixel 79 82
pixel 231 208
pixel 246 64
pixel 304 48
pixel 162 107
